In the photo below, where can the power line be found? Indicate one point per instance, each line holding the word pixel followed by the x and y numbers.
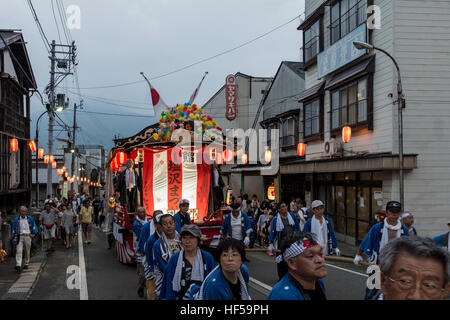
pixel 56 22
pixel 41 31
pixel 62 21
pixel 116 114
pixel 198 62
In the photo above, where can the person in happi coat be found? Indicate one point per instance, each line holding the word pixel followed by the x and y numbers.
pixel 306 269
pixel 283 225
pixel 188 268
pixel 379 235
pixel 323 228
pixel 237 225
pixel 141 219
pixel 182 217
pixel 229 279
pixel 155 232
pixel 164 248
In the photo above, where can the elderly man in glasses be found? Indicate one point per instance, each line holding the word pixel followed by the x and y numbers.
pixel 414 268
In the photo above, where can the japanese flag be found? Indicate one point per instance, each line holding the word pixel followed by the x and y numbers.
pixel 158 104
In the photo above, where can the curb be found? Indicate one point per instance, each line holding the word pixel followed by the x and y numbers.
pixel 23 287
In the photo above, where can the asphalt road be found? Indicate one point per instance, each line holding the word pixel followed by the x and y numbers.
pixel 107 279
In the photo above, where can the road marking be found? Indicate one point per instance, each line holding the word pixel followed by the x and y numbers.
pixel 351 271
pixel 261 284
pixel 83 279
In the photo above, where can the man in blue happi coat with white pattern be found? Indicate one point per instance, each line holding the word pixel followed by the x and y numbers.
pixel 379 235
pixel 141 219
pixel 237 225
pixel 182 217
pixel 306 268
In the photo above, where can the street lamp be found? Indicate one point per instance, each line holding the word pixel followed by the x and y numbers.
pixel 37 154
pixel 360 46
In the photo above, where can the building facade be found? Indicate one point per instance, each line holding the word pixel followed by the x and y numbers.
pixel 249 93
pixel 358 88
pixel 16 85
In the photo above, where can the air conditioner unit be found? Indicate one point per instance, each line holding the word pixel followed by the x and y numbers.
pixel 332 147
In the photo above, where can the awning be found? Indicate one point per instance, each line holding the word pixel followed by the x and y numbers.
pixel 312 92
pixel 362 68
pixel 370 162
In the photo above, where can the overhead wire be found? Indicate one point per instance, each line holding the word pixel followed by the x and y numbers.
pixel 39 26
pixel 198 62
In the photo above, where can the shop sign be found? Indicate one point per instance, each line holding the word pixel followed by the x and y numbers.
pixel 342 52
pixel 231 97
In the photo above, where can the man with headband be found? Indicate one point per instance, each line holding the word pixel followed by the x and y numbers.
pixel 304 257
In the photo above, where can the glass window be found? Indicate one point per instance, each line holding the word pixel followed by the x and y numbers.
pixel 312 118
pixel 335 106
pixel 364 203
pixel 378 176
pixel 288 132
pixel 346 16
pixel 312 36
pixel 362 100
pixel 351 201
pixel 335 26
pixel 362 11
pixel 365 176
pixel 352 103
pixel 349 104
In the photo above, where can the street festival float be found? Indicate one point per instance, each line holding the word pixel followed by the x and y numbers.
pixel 156 150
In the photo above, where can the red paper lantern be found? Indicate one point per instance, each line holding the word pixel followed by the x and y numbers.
pixel 32 146
pixel 121 157
pixel 268 155
pixel 244 158
pixel 52 158
pixel 46 158
pixel 41 153
pixel 301 147
pixel 14 145
pixel 346 134
pixel 228 155
pixel 54 165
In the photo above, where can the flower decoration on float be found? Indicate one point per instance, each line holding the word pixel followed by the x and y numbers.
pixel 182 116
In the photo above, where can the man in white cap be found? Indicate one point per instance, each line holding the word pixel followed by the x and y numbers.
pixel 237 225
pixel 408 221
pixel 182 217
pixel 444 239
pixel 322 227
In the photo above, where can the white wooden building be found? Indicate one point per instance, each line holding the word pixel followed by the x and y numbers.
pixel 346 86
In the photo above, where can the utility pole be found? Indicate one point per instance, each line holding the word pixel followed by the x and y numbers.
pixel 73 150
pixel 64 63
pixel 51 116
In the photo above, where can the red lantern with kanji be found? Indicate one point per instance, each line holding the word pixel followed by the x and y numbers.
pixel 52 158
pixel 54 165
pixel 46 158
pixel 14 144
pixel 301 147
pixel 346 134
pixel 32 146
pixel 121 158
pixel 41 153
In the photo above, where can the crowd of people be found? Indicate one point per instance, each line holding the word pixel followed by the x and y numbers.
pixel 172 266
pixel 60 220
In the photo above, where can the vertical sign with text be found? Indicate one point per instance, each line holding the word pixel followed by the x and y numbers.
pixel 231 97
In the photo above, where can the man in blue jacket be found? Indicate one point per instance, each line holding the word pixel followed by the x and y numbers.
pixel 149 259
pixel 306 263
pixel 237 225
pixel 282 227
pixel 322 228
pixel 379 235
pixel 182 217
pixel 444 239
pixel 24 230
pixel 141 219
